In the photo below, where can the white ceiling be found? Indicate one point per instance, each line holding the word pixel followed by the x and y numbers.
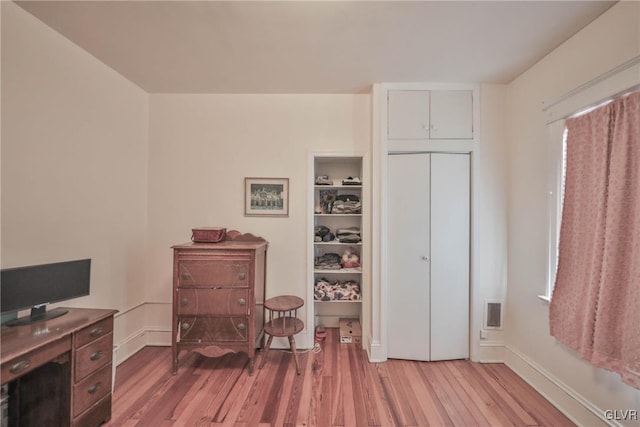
pixel 314 46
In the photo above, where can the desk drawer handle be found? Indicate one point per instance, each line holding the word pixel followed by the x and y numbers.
pixel 94 388
pixel 185 276
pixel 96 331
pixel 20 366
pixel 241 326
pixel 242 301
pixel 242 276
pixel 96 356
pixel 184 301
pixel 185 326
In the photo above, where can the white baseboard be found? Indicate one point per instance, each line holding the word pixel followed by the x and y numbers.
pixel 375 351
pixel 571 403
pixel 130 346
pixel 491 352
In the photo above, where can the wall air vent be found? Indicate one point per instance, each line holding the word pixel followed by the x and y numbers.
pixel 493 314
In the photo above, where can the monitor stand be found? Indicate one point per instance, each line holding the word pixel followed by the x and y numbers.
pixel 38 314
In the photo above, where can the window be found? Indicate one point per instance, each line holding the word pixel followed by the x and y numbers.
pixel 557 151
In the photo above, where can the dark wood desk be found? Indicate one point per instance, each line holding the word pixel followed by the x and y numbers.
pixel 59 371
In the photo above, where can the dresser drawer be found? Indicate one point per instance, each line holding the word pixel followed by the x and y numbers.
pixel 91 389
pixel 212 273
pixel 213 329
pixel 223 301
pixel 93 332
pixel 93 356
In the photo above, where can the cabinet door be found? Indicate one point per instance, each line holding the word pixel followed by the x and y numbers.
pixel 408 114
pixel 408 254
pixel 451 114
pixel 449 256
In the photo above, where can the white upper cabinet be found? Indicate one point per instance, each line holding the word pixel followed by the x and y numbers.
pixel 451 114
pixel 430 114
pixel 408 113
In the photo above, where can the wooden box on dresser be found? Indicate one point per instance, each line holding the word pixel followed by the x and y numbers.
pixel 218 296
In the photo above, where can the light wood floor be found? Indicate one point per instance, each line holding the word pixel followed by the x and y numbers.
pixel 337 387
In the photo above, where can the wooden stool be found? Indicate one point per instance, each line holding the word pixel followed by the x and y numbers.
pixel 283 322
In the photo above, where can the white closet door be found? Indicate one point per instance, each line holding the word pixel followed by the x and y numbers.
pixel 428 256
pixel 450 204
pixel 408 253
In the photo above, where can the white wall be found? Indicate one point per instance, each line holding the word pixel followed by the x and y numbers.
pixel 607 42
pixel 201 149
pixel 490 205
pixel 74 156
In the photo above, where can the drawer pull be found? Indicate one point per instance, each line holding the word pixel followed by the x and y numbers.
pixel 185 326
pixel 242 276
pixel 20 366
pixel 185 276
pixel 94 388
pixel 242 301
pixel 96 331
pixel 241 326
pixel 184 301
pixel 96 356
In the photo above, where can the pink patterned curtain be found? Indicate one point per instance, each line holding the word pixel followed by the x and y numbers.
pixel 595 308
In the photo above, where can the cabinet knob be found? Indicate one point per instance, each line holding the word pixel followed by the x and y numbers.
pixel 242 276
pixel 425 258
pixel 242 301
pixel 184 301
pixel 185 276
pixel 96 356
pixel 94 388
pixel 185 326
pixel 241 326
pixel 95 331
pixel 434 127
pixel 20 366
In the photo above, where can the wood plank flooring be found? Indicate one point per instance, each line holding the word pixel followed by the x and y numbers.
pixel 337 387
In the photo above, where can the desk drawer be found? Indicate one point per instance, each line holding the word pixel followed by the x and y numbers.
pixel 227 301
pixel 91 389
pixel 93 332
pixel 212 273
pixel 213 329
pixel 20 365
pixel 93 356
pixel 96 415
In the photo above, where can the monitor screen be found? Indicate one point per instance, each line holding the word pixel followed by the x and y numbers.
pixel 38 285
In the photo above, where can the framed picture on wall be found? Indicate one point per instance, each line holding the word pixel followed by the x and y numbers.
pixel 266 196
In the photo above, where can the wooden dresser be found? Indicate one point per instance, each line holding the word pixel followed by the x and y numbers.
pixel 218 296
pixel 59 371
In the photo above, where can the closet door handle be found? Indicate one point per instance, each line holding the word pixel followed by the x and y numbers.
pixel 425 258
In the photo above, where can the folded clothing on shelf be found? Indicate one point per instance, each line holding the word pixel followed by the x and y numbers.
pixel 330 261
pixel 346 204
pixel 325 290
pixel 348 235
pixel 323 180
pixel 352 180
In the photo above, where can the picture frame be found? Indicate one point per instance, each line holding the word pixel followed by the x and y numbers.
pixel 266 196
